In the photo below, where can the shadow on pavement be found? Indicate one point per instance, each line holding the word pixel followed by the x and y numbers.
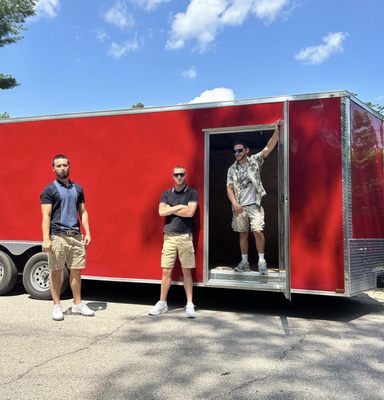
pixel 240 301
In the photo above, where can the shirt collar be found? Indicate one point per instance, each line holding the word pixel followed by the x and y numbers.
pixel 70 183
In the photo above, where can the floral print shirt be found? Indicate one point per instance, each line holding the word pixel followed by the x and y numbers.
pixel 254 164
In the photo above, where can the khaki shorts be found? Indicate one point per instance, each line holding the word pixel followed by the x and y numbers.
pixel 252 217
pixel 67 250
pixel 178 244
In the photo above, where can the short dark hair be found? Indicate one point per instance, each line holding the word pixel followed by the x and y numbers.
pixel 58 156
pixel 240 142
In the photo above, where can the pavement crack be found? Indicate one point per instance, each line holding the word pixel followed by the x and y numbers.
pixel 283 355
pixel 95 342
pixel 293 347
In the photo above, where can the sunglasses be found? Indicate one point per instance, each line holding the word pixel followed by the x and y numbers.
pixel 179 174
pixel 238 151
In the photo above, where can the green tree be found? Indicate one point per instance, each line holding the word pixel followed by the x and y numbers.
pixel 4 114
pixel 13 14
pixel 378 107
pixel 138 105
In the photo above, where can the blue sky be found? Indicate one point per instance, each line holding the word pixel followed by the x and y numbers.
pixel 89 55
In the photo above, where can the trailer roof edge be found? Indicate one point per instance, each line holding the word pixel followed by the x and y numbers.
pixel 365 106
pixel 184 106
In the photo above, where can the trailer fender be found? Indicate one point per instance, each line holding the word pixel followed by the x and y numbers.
pixel 8 273
pixel 36 277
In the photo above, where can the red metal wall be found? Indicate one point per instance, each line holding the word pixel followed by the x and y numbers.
pixel 316 223
pixel 124 163
pixel 367 174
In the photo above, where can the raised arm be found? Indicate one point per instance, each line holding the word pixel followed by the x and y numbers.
pixel 272 141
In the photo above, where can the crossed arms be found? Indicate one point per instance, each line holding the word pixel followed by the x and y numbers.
pixel 181 210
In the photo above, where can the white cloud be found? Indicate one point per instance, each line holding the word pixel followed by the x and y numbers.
pixel 119 50
pixel 237 12
pixel 150 5
pixel 101 35
pixel 203 19
pixel 217 94
pixel 268 10
pixel 47 8
pixel 119 16
pixel 190 73
pixel 317 54
pixel 201 22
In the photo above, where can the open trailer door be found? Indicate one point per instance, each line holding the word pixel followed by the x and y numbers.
pixel 283 184
pixel 221 247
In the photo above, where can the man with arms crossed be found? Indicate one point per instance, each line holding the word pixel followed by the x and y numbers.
pixel 245 191
pixel 178 205
pixel 61 203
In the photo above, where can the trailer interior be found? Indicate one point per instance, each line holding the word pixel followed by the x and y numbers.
pixel 223 244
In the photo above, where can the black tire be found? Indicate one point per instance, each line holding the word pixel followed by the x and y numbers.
pixel 8 273
pixel 36 277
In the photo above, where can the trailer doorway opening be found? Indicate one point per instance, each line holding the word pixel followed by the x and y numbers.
pixel 223 250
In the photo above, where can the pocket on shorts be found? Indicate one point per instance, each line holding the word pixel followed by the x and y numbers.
pixel 57 244
pixel 164 248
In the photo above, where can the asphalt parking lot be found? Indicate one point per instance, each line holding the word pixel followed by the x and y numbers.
pixel 243 345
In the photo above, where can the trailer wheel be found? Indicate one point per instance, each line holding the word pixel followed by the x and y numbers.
pixel 8 273
pixel 36 277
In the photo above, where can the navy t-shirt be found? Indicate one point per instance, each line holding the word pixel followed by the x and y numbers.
pixel 65 202
pixel 174 223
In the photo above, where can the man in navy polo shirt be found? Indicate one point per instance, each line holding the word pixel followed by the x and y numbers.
pixel 178 205
pixel 61 203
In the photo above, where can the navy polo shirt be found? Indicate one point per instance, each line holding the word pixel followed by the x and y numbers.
pixel 65 202
pixel 174 223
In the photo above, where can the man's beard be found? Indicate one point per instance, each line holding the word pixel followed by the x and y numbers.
pixel 62 175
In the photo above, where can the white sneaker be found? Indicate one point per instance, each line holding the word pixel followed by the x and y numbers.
pixel 82 309
pixel 242 266
pixel 190 310
pixel 159 308
pixel 262 265
pixel 57 313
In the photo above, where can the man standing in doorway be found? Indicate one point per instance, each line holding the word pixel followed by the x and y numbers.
pixel 245 191
pixel 61 203
pixel 178 206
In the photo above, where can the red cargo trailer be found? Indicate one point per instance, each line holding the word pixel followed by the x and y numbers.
pixel 324 181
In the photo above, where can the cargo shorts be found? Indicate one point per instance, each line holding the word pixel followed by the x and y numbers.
pixel 67 251
pixel 252 217
pixel 178 244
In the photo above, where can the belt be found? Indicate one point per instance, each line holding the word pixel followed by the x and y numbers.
pixel 71 232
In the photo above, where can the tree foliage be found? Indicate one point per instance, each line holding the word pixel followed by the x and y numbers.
pixel 13 14
pixel 4 114
pixel 138 105
pixel 377 107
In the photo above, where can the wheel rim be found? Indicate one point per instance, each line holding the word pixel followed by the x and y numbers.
pixel 40 276
pixel 1 271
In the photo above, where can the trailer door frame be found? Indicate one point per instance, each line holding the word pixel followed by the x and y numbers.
pixel 284 284
pixel 283 183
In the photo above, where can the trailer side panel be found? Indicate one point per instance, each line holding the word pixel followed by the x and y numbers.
pixel 124 162
pixel 367 174
pixel 315 182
